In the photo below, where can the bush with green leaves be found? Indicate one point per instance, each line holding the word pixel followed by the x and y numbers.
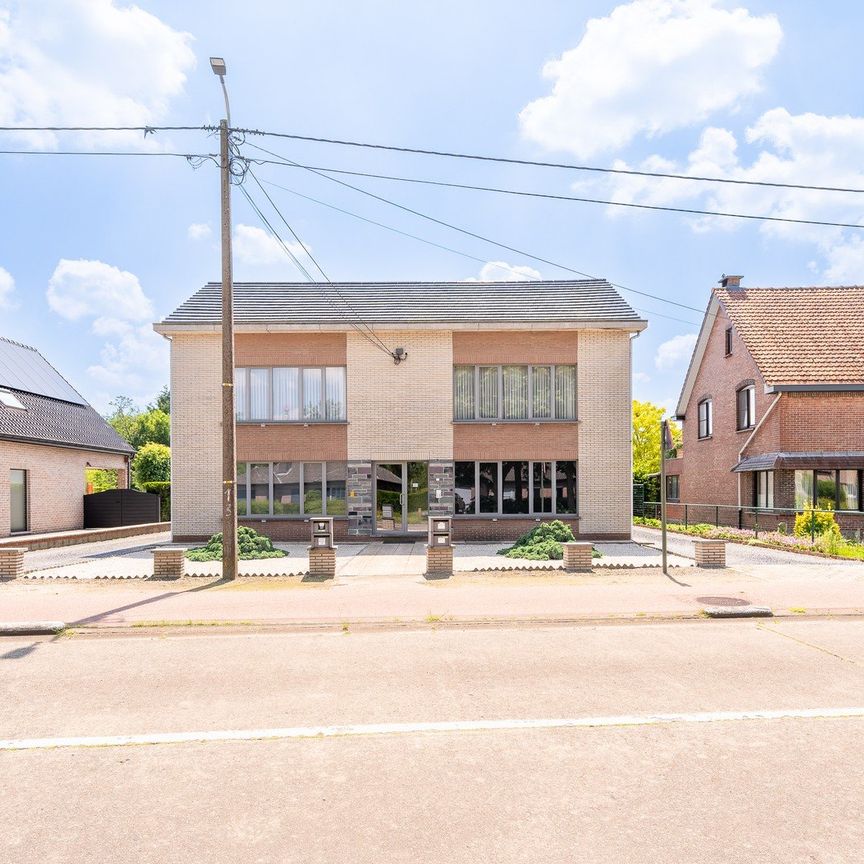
pixel 251 546
pixel 542 543
pixel 819 523
pixel 152 463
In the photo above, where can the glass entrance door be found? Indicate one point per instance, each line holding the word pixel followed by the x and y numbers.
pixel 401 497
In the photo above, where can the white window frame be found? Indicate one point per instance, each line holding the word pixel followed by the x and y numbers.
pixel 748 420
pixel 709 418
pixel 244 415
pixel 499 418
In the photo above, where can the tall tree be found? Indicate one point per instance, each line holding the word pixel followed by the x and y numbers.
pixel 646 438
pixel 141 427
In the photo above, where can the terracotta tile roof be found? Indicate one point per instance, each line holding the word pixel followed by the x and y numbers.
pixel 801 335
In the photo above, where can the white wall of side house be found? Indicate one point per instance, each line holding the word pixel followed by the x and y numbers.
pixel 405 411
pixel 55 483
pixel 196 434
pixel 605 420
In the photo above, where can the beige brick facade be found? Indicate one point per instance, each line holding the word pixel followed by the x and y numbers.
pixel 196 434
pixel 55 483
pixel 405 411
pixel 605 454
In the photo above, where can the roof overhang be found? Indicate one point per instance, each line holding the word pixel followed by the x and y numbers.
pixel 68 445
pixel 773 461
pixel 630 326
pixel 698 354
pixel 815 388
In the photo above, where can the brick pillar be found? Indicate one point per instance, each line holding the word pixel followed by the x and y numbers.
pixel 361 507
pixel 710 553
pixel 12 562
pixel 169 563
pixel 439 560
pixel 577 556
pixel 122 478
pixel 322 562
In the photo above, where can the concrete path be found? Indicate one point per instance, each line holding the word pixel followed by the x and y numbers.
pixel 758 765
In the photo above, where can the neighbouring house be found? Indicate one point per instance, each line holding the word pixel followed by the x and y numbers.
pixel 502 403
pixel 49 437
pixel 773 402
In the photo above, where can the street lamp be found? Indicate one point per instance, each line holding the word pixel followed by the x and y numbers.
pixel 229 460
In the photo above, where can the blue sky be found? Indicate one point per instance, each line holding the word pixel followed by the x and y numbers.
pixel 92 250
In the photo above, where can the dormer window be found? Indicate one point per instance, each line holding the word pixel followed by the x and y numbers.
pixel 10 400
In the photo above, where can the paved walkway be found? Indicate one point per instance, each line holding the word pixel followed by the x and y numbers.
pixel 132 558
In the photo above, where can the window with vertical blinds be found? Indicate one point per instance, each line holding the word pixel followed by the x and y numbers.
pixel 290 394
pixel 515 392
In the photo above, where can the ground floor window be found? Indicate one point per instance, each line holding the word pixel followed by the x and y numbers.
pixel 673 488
pixel 828 489
pixel 511 488
pixel 18 499
pixel 763 489
pixel 291 489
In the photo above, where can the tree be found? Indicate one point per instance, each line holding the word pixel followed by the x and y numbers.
pixel 646 438
pixel 162 402
pixel 138 427
pixel 152 463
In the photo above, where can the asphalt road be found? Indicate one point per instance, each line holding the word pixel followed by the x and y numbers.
pixel 700 785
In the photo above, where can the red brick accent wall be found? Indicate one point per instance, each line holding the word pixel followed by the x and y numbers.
pixel 705 468
pixel 516 346
pixel 473 441
pixel 292 442
pixel 289 349
pixel 821 421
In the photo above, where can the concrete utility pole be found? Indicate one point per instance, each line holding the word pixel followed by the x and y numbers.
pixel 229 454
pixel 663 434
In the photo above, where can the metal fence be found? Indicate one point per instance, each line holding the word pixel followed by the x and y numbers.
pixel 752 519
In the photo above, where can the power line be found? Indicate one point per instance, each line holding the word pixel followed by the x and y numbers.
pixel 428 242
pixel 564 165
pixel 551 196
pixel 106 153
pixel 475 235
pixel 147 130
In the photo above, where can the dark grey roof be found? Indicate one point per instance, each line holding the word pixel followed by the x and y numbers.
pixel 52 421
pixel 408 302
pixel 24 368
pixel 815 459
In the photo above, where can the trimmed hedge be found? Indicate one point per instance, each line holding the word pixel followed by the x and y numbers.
pixel 162 488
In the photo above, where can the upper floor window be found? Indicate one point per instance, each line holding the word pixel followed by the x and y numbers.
pixel 746 407
pixel 514 392
pixel 728 341
pixel 311 394
pixel 706 418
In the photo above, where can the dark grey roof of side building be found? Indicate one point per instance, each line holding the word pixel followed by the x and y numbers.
pixel 53 412
pixel 408 302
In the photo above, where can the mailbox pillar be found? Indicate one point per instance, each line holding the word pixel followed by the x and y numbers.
pixel 439 547
pixel 322 552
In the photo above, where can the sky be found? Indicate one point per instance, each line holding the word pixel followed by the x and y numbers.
pixel 93 249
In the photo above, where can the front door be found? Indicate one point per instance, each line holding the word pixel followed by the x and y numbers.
pixel 401 497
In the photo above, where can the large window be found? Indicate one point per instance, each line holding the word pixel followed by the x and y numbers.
pixel 706 418
pixel 291 489
pixel 290 394
pixel 518 488
pixel 18 499
pixel 745 412
pixel 763 489
pixel 828 490
pixel 514 392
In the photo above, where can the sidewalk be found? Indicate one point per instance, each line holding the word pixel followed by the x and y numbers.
pixel 469 597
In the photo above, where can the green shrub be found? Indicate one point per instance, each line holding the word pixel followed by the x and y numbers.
pixel 250 546
pixel 162 488
pixel 542 543
pixel 151 463
pixel 817 523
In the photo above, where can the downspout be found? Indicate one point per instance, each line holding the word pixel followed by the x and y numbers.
pixel 751 436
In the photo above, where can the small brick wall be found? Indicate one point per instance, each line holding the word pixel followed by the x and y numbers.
pixel 710 553
pixel 577 556
pixel 439 560
pixel 322 562
pixel 169 563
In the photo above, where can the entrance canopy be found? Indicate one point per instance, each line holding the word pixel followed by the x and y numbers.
pixel 790 461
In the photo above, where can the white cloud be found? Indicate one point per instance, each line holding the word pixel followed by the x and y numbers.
pixel 56 60
pixel 649 67
pixel 258 248
pixel 7 286
pixel 501 271
pixel 135 364
pixel 675 353
pixel 198 231
pixel 641 377
pixel 845 262
pixel 83 288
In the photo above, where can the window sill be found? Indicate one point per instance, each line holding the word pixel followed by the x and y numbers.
pixel 746 429
pixel 291 423
pixel 513 422
pixel 705 438
pixel 506 517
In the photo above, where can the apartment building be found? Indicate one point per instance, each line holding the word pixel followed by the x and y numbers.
pixel 49 437
pixel 503 404
pixel 773 401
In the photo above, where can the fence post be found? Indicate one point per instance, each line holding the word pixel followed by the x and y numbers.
pixel 756 522
pixel 812 527
pixel 716 517
pixel 685 516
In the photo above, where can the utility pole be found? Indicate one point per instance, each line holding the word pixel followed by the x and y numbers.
pixel 663 434
pixel 229 454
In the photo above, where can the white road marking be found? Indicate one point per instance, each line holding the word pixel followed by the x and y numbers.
pixel 407 728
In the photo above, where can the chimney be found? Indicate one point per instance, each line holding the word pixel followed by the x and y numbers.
pixel 731 281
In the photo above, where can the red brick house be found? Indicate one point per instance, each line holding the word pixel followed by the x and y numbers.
pixel 773 402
